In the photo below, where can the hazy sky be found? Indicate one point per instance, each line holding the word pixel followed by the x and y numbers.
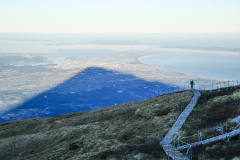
pixel 119 16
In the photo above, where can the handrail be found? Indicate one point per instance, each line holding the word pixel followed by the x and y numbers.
pixel 209 87
pixel 166 141
pixel 211 140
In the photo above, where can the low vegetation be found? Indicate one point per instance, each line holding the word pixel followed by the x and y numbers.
pixel 126 131
pixel 214 110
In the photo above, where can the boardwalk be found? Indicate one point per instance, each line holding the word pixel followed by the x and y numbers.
pixel 237 120
pixel 170 150
pixel 214 139
pixel 211 140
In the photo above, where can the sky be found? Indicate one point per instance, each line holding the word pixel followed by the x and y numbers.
pixel 120 16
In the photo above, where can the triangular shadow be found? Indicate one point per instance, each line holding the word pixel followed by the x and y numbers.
pixel 90 89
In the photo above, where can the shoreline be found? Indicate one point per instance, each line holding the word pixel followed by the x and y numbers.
pixel 209 69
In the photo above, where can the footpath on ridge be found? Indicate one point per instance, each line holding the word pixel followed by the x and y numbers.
pixel 169 149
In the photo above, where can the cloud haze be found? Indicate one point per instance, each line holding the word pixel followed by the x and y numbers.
pixel 105 16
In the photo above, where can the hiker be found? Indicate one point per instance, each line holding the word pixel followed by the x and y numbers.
pixel 192 83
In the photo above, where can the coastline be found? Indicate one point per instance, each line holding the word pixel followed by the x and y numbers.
pixel 202 65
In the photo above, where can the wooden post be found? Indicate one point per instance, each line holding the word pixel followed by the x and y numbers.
pixel 178 107
pixel 178 139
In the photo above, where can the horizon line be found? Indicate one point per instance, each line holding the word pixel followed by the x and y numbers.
pixel 121 32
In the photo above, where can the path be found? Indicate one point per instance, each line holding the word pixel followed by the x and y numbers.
pixel 170 150
pixel 211 140
pixel 217 138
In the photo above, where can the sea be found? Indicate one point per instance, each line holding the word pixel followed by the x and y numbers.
pixel 213 66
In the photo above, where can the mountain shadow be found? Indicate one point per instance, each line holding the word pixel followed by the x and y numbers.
pixel 93 88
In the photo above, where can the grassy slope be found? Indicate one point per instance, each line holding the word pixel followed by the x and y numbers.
pixel 213 108
pixel 126 131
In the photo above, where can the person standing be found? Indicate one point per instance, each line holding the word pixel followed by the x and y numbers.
pixel 191 83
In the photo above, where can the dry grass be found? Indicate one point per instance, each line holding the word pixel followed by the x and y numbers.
pixel 212 109
pixel 125 131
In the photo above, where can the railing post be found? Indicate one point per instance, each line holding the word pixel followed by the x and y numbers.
pixel 191 154
pixel 226 128
pixel 178 139
pixel 168 152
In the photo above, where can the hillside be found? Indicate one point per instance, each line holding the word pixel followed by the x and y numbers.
pixel 125 131
pixel 214 110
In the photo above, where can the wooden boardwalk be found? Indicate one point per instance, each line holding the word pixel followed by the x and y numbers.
pixel 170 150
pixel 211 140
pixel 214 139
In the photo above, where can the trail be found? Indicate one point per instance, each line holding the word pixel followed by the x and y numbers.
pixel 169 149
pixel 211 140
